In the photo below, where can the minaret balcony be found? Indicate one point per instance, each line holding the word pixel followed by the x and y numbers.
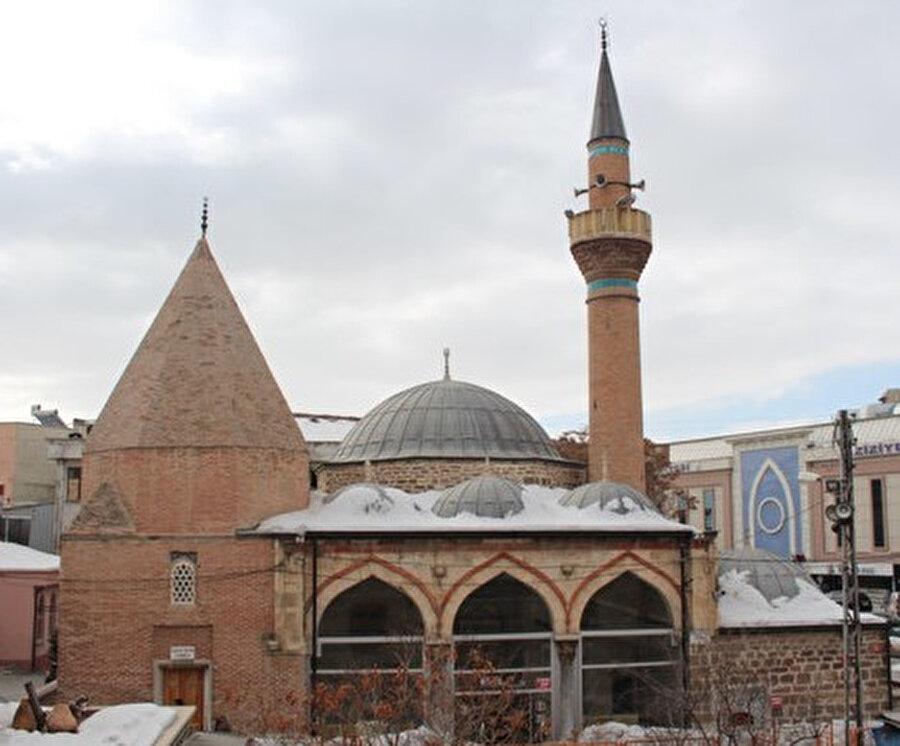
pixel 609 222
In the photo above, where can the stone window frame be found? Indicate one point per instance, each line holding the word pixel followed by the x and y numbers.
pixel 183 578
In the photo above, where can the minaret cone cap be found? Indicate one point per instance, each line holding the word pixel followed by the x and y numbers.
pixel 198 378
pixel 607 114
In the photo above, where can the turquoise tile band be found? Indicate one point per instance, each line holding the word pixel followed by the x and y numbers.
pixel 611 282
pixel 601 149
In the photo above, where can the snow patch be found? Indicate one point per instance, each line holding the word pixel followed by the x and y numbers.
pixel 742 605
pixel 120 725
pixel 18 557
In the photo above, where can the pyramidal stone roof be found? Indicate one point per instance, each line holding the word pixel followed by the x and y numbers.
pixel 198 378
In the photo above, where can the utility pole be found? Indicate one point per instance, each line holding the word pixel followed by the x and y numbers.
pixel 841 514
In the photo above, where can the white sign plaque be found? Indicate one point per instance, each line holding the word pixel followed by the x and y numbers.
pixel 181 652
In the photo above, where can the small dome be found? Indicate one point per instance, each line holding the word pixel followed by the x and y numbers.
pixel 446 419
pixel 619 498
pixel 372 497
pixel 771 575
pixel 486 496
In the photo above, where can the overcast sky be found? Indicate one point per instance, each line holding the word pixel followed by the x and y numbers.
pixel 389 178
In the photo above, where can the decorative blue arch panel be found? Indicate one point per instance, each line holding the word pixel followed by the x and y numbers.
pixel 770 498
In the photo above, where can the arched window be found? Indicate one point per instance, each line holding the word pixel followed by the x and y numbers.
pixel 183 579
pixel 370 639
pixel 629 654
pixel 502 642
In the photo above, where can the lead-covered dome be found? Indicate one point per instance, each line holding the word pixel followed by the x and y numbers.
pixel 446 419
pixel 614 496
pixel 487 496
pixel 771 575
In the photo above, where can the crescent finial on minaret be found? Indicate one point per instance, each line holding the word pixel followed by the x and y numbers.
pixel 603 37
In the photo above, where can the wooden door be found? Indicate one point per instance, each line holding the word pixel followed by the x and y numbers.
pixel 184 686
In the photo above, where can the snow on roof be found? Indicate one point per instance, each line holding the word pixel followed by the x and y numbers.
pixel 124 725
pixel 324 428
pixel 18 557
pixel 742 605
pixel 413 513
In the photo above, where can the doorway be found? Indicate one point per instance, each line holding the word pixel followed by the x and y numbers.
pixel 186 685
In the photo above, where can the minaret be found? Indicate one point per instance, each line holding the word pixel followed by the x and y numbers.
pixel 611 244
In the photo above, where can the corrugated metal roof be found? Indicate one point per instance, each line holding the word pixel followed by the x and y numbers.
pixel 699 450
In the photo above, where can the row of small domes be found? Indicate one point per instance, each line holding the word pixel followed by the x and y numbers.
pixel 491 496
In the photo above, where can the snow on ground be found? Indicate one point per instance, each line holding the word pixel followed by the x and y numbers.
pixel 613 732
pixel 421 736
pixel 18 557
pixel 789 734
pixel 742 605
pixel 119 725
pixel 351 512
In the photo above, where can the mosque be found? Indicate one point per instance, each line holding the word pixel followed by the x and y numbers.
pixel 448 545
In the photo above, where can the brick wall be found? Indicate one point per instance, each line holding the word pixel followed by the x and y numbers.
pixel 194 490
pixel 800 666
pixel 116 619
pixel 418 475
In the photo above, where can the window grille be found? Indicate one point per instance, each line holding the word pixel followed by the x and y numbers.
pixel 183 581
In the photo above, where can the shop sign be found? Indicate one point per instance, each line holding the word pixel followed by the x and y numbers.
pixel 877 449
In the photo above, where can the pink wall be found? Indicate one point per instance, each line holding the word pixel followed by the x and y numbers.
pixel 17 594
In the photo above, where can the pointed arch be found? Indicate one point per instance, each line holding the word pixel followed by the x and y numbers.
pixel 636 603
pixel 371 607
pixel 502 605
pixel 397 577
pixel 756 501
pixel 515 567
pixel 654 576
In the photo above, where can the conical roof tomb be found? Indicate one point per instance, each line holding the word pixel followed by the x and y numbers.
pixel 607 121
pixel 198 395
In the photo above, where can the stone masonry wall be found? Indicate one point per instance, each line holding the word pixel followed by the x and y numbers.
pixel 800 666
pixel 418 475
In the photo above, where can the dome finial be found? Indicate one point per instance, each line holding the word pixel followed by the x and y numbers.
pixel 204 217
pixel 446 363
pixel 603 39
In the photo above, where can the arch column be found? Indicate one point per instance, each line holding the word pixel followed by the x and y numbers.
pixel 566 700
pixel 439 690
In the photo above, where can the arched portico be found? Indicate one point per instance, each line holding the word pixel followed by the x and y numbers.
pixel 503 652
pixel 370 637
pixel 629 654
